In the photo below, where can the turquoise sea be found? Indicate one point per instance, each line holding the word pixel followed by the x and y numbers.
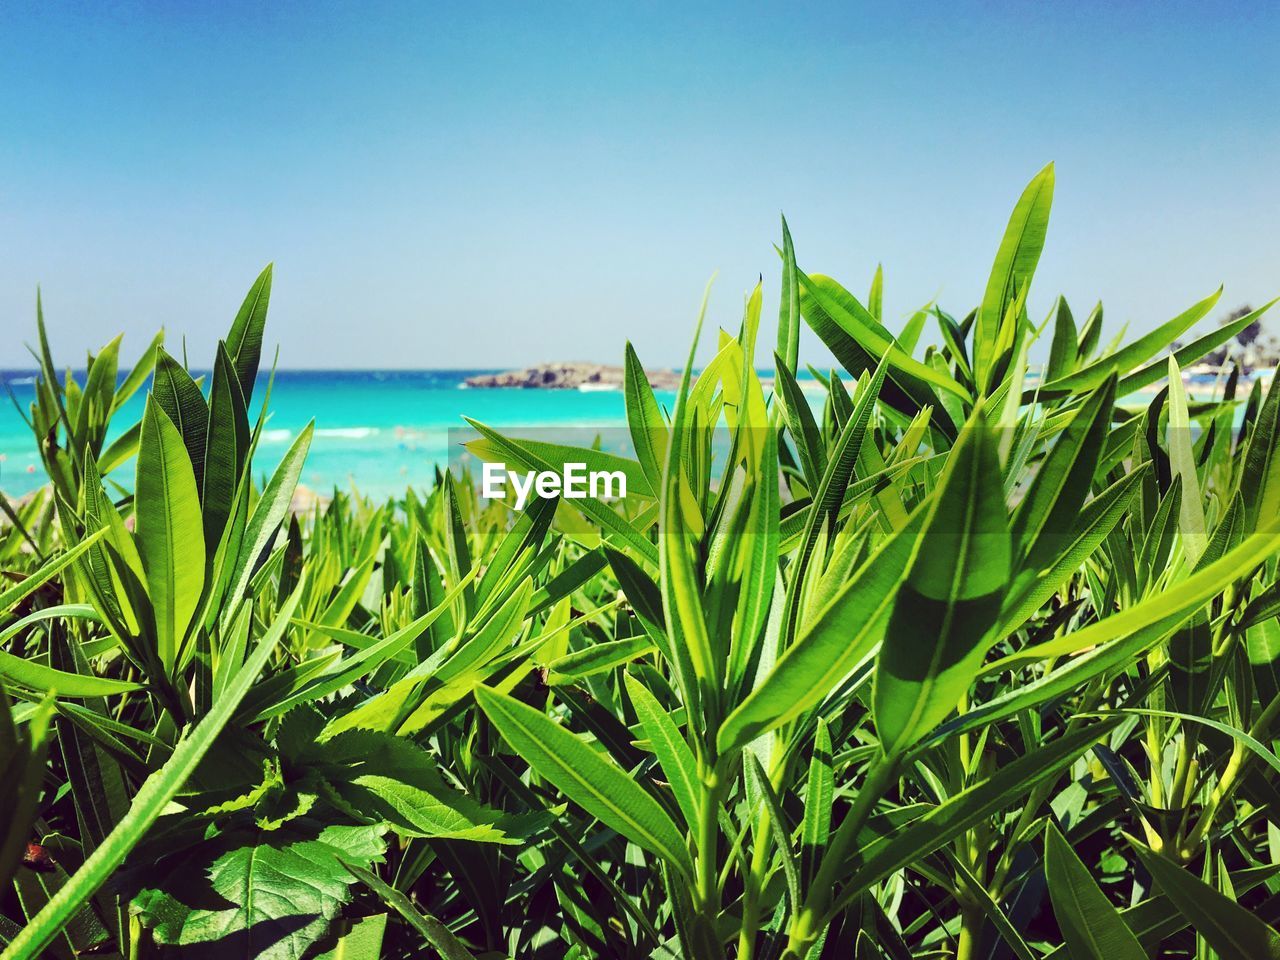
pixel 381 430
pixel 376 430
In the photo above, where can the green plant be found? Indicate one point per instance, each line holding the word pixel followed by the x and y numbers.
pixel 940 659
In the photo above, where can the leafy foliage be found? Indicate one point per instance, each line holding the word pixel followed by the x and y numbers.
pixel 929 656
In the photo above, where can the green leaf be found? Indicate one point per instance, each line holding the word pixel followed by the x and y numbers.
pixel 757 782
pixel 120 449
pixel 1135 630
pixel 1062 353
pixel 999 919
pixel 150 800
pixel 853 319
pixel 1260 479
pixel 1011 273
pixel 597 658
pixel 350 669
pixel 1250 743
pixel 47 571
pixel 676 760
pixel 391 779
pixel 1159 614
pixel 22 761
pixel 1091 926
pixel 363 941
pixel 578 573
pixel 93 413
pixel 875 296
pixel 1228 927
pixel 828 497
pixel 269 512
pixel 1130 355
pixel 527 533
pixel 1192 352
pixel 644 419
pixel 934 644
pixel 789 305
pixel 170 531
pixel 348 595
pixel 801 424
pixel 1090 335
pixel 523 455
pixel 582 774
pixel 435 932
pixel 1262 646
pixel 84 934
pixel 244 342
pixel 267 895
pixel 37 676
pixel 757 550
pixel 138 375
pixel 832 644
pixel 1047 514
pixel 689 645
pixel 1264 605
pixel 819 798
pixel 912 330
pixel 493 633
pixel 1033 588
pixel 1156 918
pixel 96 783
pixel 949 819
pixel 179 396
pixel 226 449
pixel 1153 558
pixel 1182 460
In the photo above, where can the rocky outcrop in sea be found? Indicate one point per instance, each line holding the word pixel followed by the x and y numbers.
pixel 570 376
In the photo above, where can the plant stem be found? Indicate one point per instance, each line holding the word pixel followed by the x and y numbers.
pixel 752 883
pixel 1155 758
pixel 707 837
pixel 1227 782
pixel 708 887
pixel 757 874
pixel 971 919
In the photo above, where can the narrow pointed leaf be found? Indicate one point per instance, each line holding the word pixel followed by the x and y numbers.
pixel 170 530
pixel 179 396
pixel 244 342
pixel 672 750
pixel 597 785
pixel 1229 928
pixel 1091 926
pixel 1014 266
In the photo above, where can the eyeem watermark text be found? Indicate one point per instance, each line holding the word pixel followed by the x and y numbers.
pixel 574 482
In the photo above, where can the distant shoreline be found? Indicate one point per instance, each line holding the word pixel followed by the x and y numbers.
pixel 582 376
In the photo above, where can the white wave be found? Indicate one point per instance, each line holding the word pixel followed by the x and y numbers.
pixel 277 436
pixel 349 433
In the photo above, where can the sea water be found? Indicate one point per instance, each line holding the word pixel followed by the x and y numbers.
pixel 375 430
pixel 380 431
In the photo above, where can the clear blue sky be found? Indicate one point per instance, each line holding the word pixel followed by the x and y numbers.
pixel 492 184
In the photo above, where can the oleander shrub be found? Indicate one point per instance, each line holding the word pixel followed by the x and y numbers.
pixel 949 657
